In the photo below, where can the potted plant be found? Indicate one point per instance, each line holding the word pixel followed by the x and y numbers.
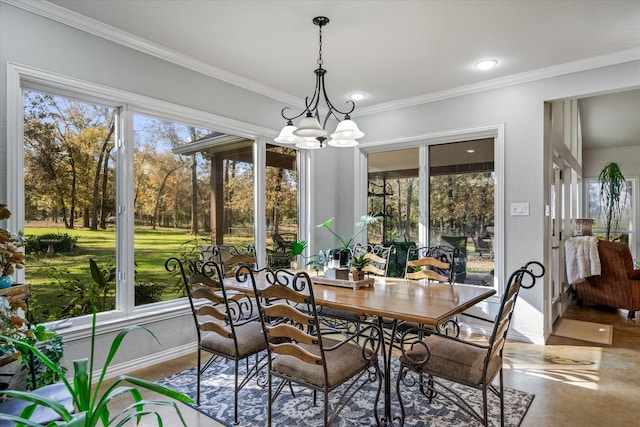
pixel 90 401
pixel 297 248
pixel 613 195
pixel 357 264
pixel 365 221
pixel 11 257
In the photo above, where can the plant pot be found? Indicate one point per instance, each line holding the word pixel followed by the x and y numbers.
pixel 357 275
pixel 6 282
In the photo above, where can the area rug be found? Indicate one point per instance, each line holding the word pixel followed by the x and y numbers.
pixel 216 401
pixel 584 331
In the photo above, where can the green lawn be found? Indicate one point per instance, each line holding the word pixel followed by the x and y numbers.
pixel 63 278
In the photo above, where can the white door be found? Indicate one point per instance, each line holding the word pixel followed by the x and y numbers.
pixel 557 221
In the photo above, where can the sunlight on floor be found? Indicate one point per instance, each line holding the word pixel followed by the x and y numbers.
pixel 579 366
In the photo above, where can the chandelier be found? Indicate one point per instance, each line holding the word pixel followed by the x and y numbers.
pixel 310 134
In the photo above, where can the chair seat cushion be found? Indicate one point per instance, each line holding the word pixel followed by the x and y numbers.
pixel 41 415
pixel 455 360
pixel 342 364
pixel 249 336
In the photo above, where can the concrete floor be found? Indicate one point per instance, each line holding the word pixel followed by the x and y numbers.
pixel 576 383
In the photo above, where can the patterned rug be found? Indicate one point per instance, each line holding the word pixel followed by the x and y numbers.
pixel 216 401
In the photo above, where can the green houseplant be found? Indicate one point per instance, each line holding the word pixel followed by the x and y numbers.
pixel 357 264
pixel 11 256
pixel 91 402
pixel 613 195
pixel 297 248
pixel 347 242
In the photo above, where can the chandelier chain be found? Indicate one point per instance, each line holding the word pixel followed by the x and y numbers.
pixel 320 62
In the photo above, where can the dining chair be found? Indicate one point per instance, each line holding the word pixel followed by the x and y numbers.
pixel 378 256
pixel 438 360
pixel 230 257
pixel 305 352
pixel 227 324
pixel 438 263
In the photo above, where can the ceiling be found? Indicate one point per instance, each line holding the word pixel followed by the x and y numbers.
pixel 397 52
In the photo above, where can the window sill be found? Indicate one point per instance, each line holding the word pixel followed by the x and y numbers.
pixel 79 328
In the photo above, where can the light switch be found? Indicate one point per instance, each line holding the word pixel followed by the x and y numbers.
pixel 519 209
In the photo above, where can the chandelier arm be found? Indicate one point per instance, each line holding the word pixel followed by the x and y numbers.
pixel 332 108
pixel 292 117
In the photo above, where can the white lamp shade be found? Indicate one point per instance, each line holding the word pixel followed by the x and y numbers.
pixel 347 129
pixel 309 143
pixel 343 143
pixel 286 135
pixel 309 127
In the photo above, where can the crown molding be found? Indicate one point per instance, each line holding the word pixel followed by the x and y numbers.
pixel 107 32
pixel 511 80
pixel 97 28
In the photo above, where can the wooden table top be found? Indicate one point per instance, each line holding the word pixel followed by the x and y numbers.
pixel 417 301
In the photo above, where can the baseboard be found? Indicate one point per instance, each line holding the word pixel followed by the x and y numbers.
pixel 146 361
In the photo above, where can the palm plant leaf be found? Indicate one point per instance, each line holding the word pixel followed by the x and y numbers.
pixel 92 409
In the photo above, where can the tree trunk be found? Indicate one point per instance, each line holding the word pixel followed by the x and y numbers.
pixel 96 180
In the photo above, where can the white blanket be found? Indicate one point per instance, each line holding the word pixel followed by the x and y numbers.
pixel 581 258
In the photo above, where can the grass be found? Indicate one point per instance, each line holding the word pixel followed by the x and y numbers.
pixel 51 275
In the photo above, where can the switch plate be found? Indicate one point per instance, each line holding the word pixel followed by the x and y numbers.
pixel 519 209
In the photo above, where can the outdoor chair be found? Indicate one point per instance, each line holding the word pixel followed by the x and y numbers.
pixel 483 245
pixel 438 359
pixel 227 324
pixel 300 349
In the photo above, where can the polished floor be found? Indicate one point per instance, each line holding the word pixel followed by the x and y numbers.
pixel 576 383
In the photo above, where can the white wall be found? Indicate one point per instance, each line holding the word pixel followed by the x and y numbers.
pixel 35 41
pixel 520 108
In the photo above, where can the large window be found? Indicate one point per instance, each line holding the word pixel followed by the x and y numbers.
pixel 171 203
pixel 110 189
pixel 69 212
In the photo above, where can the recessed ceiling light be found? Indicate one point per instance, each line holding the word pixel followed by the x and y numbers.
pixel 471 151
pixel 486 64
pixel 357 96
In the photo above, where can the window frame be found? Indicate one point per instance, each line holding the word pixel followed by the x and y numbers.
pixel 423 141
pixel 21 77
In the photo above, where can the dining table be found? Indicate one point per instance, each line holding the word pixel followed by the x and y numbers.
pixel 393 301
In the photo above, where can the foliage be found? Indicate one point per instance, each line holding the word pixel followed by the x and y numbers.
pixel 613 194
pixel 53 347
pixel 297 247
pixel 11 257
pixel 359 262
pixel 14 325
pixel 66 242
pixel 92 404
pixel 147 293
pixel 318 261
pixel 365 221
pixel 11 324
pixel 86 297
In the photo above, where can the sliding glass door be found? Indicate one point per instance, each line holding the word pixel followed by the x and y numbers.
pixel 453 187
